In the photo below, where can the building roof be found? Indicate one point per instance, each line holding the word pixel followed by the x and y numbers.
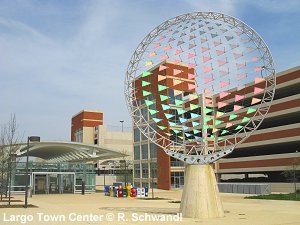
pixel 57 151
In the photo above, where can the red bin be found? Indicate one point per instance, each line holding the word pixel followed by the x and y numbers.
pixel 133 192
pixel 120 192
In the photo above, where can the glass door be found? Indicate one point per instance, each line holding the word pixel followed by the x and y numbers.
pixel 67 183
pixel 53 184
pixel 40 184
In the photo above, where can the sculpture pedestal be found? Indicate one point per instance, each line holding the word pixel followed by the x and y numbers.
pixel 200 197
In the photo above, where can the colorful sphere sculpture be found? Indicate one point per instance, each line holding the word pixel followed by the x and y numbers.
pixel 199 84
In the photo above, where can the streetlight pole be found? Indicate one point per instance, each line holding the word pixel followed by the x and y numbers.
pixel 29 139
pixel 122 121
pixel 104 176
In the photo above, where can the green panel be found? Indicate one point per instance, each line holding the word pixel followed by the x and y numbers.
pixel 145 83
pixel 205 127
pixel 195 124
pixel 149 102
pixel 220 138
pixel 212 136
pixel 224 132
pixel 146 73
pixel 245 119
pixel 161 87
pixel 204 139
pixel 165 107
pixel 156 120
pixel 239 127
pixel 176 131
pixel 193 106
pixel 196 131
pixel 251 110
pixel 152 111
pixel 163 97
pixel 206 119
pixel 180 111
pixel 232 116
pixel 161 127
pixel 146 93
pixel 207 110
pixel 168 116
pixel 178 102
pixel 172 124
pixel 194 115
pixel 217 122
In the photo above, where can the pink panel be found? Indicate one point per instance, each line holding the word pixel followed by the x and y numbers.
pixel 192 65
pixel 240 65
pixel 171 39
pixel 177 61
pixel 258 69
pixel 207 69
pixel 237 55
pixel 232 46
pixel 191 76
pixel 191 86
pixel 223 73
pixel 222 104
pixel 224 84
pixel 229 125
pixel 176 92
pixel 216 43
pixel 162 37
pixel 207 90
pixel 160 77
pixel 175 72
pixel 164 57
pixel 204 49
pixel 224 94
pixel 206 80
pixel 176 82
pixel 254 59
pixel 167 48
pixel 241 76
pixel 258 80
pixel 255 100
pixel 178 51
pixel 239 97
pixel 157 45
pixel 208 101
pixel 222 62
pixel 191 55
pixel 161 67
pixel 151 54
pixel 258 90
pixel 237 107
pixel 219 52
pixel 215 130
pixel 205 58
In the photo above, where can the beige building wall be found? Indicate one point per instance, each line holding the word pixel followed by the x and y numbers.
pixel 88 135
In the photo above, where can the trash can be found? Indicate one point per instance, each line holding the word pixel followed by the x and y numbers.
pixel 115 190
pixel 106 190
pixel 128 191
pixel 138 192
pixel 29 192
pixel 146 192
pixel 133 192
pixel 142 192
pixel 125 192
pixel 120 192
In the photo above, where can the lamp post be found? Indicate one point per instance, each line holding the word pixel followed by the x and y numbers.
pixel 122 121
pixel 29 139
pixel 103 176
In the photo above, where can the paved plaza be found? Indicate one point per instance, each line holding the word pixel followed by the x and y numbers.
pixel 98 209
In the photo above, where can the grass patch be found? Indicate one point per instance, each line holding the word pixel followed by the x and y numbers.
pixel 17 206
pixel 156 198
pixel 174 201
pixel 289 197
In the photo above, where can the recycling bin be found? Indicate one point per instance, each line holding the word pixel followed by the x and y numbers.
pixel 128 191
pixel 133 192
pixel 125 192
pixel 138 192
pixel 146 192
pixel 142 192
pixel 120 192
pixel 106 190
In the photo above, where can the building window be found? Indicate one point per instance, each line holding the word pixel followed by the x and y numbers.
pixel 153 170
pixel 145 151
pixel 137 171
pixel 136 135
pixel 144 184
pixel 78 135
pixel 136 152
pixel 145 170
pixel 153 151
pixel 177 179
pixel 96 141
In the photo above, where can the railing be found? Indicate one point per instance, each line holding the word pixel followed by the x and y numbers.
pixel 245 188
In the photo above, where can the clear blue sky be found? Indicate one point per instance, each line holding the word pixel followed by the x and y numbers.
pixel 58 57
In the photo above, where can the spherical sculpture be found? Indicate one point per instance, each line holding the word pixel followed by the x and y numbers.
pixel 199 84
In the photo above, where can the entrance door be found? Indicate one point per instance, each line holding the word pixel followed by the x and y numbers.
pixel 53 184
pixel 67 183
pixel 40 184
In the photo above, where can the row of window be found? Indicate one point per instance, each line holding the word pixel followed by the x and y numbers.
pixel 145 151
pixel 146 170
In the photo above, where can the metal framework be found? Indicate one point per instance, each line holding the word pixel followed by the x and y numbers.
pixel 200 154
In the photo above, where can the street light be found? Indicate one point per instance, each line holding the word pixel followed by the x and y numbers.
pixel 122 121
pixel 29 139
pixel 103 176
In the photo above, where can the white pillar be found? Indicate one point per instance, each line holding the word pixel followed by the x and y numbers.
pixel 200 197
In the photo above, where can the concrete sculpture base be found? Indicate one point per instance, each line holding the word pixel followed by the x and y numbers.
pixel 200 197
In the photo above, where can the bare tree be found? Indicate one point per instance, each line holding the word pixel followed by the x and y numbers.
pixel 10 140
pixel 292 173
